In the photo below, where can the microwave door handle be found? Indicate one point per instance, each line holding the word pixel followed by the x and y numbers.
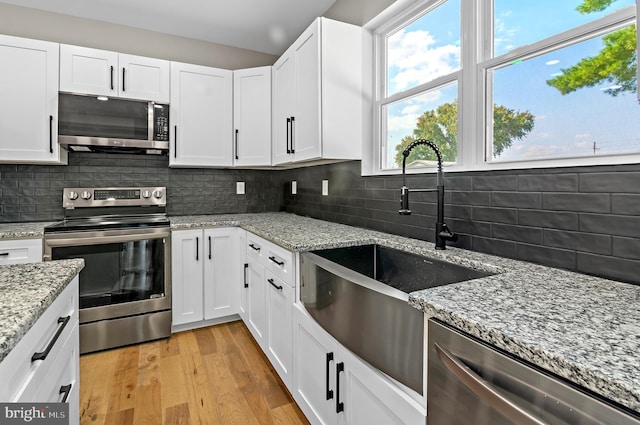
pixel 485 391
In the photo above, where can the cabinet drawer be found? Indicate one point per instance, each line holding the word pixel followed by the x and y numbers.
pixel 59 380
pixel 20 251
pixel 47 335
pixel 256 248
pixel 279 261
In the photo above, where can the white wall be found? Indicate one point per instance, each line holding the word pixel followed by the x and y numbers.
pixel 41 25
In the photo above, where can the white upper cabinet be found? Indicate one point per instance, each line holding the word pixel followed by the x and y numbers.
pixel 252 116
pixel 103 73
pixel 201 116
pixel 317 95
pixel 29 101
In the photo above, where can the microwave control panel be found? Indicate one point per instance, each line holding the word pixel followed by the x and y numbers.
pixel 160 122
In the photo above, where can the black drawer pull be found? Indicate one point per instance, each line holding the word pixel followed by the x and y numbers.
pixel 255 248
pixel 4 254
pixel 43 355
pixel 209 247
pixel 329 391
pixel 278 287
pixel 339 404
pixel 280 263
pixel 246 267
pixel 66 390
pixel 197 248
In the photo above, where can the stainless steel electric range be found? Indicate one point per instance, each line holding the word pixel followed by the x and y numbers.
pixel 123 235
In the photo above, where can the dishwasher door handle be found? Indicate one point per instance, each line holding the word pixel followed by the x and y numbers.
pixel 485 390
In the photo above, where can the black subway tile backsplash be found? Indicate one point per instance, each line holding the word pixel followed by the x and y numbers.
pixel 547 216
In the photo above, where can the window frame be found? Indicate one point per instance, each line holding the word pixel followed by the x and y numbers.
pixel 474 85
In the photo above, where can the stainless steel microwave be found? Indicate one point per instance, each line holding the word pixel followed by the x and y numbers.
pixel 101 124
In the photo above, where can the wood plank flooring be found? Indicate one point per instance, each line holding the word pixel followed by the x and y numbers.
pixel 211 376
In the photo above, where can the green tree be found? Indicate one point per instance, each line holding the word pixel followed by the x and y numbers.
pixel 616 63
pixel 441 127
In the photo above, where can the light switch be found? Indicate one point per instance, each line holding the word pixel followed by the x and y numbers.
pixel 325 187
pixel 294 187
pixel 240 188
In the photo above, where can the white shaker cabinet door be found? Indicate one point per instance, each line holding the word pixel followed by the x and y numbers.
pixel 221 264
pixel 88 71
pixel 144 78
pixel 29 101
pixel 186 276
pixel 252 116
pixel 201 116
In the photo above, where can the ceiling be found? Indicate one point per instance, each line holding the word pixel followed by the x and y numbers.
pixel 268 26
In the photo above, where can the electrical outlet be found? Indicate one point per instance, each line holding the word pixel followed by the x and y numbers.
pixel 240 188
pixel 294 187
pixel 325 187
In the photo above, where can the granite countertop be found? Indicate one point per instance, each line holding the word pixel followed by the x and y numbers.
pixel 22 230
pixel 583 328
pixel 26 291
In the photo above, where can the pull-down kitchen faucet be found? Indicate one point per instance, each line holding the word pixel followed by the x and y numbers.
pixel 443 234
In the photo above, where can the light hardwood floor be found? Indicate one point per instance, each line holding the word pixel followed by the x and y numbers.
pixel 209 376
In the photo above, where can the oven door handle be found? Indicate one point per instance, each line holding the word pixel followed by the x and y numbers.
pixel 98 240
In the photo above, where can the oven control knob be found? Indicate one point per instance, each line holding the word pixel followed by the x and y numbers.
pixel 85 195
pixel 157 194
pixel 72 195
pixel 146 194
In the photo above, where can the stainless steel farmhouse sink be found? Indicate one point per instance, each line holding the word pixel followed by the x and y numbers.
pixel 359 295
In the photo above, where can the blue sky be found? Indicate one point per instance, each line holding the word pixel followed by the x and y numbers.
pixel 565 125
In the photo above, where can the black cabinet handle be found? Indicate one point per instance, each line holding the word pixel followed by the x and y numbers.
pixel 209 247
pixel 288 125
pixel 111 77
pixel 280 263
pixel 246 267
pixel 278 287
pixel 175 141
pixel 197 248
pixel 237 157
pixel 123 75
pixel 66 390
pixel 50 133
pixel 43 354
pixel 339 404
pixel 255 248
pixel 293 150
pixel 329 391
pixel 4 254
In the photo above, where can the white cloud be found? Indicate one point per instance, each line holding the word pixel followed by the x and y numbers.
pixel 414 59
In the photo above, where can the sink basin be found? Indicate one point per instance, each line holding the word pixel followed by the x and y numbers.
pixel 402 270
pixel 360 296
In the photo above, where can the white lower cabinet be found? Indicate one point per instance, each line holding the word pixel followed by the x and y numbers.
pixel 267 301
pixel 45 365
pixel 20 251
pixel 255 292
pixel 333 386
pixel 204 276
pixel 280 298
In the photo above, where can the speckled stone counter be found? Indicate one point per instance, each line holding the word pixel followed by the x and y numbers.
pixel 26 291
pixel 32 230
pixel 583 328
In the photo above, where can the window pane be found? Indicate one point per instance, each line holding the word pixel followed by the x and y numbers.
pixel 431 115
pixel 425 49
pixel 517 23
pixel 598 114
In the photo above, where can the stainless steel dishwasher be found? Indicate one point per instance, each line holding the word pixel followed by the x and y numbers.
pixel 469 382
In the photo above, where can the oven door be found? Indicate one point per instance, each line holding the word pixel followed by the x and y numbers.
pixel 127 272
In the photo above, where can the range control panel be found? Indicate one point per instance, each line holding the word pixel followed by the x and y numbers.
pixel 86 197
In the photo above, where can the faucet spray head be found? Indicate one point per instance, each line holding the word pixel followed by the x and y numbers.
pixel 404 201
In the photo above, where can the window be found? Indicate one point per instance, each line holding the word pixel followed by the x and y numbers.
pixel 535 83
